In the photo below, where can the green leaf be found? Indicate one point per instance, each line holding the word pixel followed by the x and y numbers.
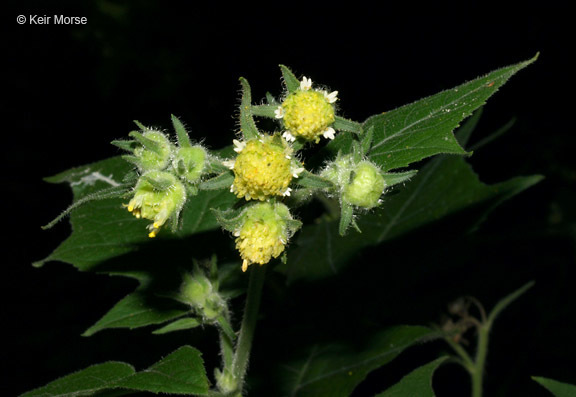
pixel 85 382
pixel 102 230
pixel 346 217
pixel 395 178
pixel 416 383
pixel 335 370
pixel 222 181
pixel 558 389
pixel 264 110
pixel 342 124
pixel 229 219
pixel 159 183
pixel 181 133
pixel 290 80
pixel 506 301
pixel 366 141
pixel 178 325
pixel 181 372
pixel 124 145
pixel 138 310
pixel 308 179
pixel 149 144
pixel 247 124
pixel 444 186
pixel 424 128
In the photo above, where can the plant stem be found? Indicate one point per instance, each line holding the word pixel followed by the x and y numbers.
pixel 481 353
pixel 242 353
pixel 466 360
pixel 226 342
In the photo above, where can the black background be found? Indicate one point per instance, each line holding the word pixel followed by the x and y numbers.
pixel 70 90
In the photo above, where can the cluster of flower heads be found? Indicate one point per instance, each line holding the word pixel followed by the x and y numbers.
pixel 261 173
pixel 168 174
pixel 265 166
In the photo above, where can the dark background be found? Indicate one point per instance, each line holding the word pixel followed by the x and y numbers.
pixel 70 90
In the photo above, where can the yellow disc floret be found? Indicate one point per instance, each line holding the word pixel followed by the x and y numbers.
pixel 262 169
pixel 308 114
pixel 263 234
pixel 157 196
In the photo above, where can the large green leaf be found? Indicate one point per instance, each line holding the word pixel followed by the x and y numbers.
pixel 444 186
pixel 558 389
pixel 104 229
pixel 424 128
pixel 138 310
pixel 85 382
pixel 181 372
pixel 335 370
pixel 416 383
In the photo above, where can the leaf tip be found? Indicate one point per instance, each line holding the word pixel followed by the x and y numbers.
pixel 89 332
pixel 39 264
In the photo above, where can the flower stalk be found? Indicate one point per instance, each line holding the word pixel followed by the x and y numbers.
pixel 244 345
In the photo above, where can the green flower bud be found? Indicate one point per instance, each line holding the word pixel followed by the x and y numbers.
pixel 197 291
pixel 366 186
pixel 158 196
pixel 155 153
pixel 225 381
pixel 190 163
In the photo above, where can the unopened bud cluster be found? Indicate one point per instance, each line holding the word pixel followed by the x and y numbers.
pixel 168 174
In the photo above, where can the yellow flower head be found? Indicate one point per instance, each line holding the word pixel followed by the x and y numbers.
pixel 307 113
pixel 262 169
pixel 263 234
pixel 157 196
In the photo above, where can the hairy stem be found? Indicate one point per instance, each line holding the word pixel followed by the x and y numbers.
pixel 242 353
pixel 226 341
